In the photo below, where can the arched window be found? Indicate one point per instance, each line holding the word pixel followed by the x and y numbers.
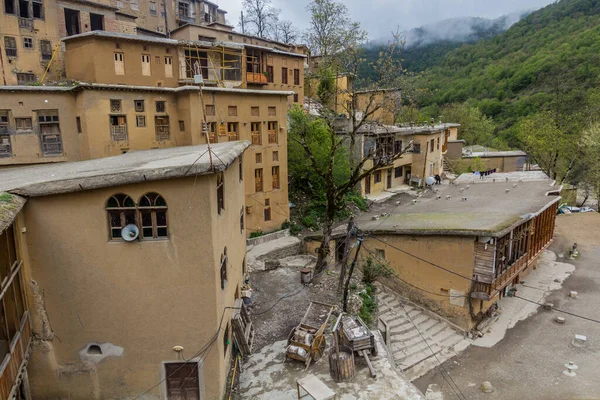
pixel 121 212
pixel 153 216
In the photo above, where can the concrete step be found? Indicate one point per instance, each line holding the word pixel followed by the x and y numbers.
pixel 438 327
pixel 419 350
pixel 417 358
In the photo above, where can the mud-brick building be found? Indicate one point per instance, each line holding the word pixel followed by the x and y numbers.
pixel 139 93
pixel 460 250
pixel 425 147
pixel 106 313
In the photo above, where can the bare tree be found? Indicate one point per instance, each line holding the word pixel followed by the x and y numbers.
pixel 285 32
pixel 322 144
pixel 258 18
pixel 331 29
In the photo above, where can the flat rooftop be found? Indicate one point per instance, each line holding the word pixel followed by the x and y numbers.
pixel 133 167
pixel 487 211
pixel 374 128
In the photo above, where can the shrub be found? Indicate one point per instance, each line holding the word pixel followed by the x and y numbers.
pixel 256 234
pixel 372 270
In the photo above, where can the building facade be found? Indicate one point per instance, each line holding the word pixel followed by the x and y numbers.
pixel 460 251
pixel 120 307
pixel 424 149
pixel 31 31
pixel 140 94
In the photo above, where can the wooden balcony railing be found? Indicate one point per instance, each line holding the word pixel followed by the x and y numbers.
pixel 233 136
pixel 118 133
pixel 162 132
pixel 25 23
pixel 256 139
pixel 272 136
pixel 5 148
pixel 258 185
pixel 256 77
pixel 13 362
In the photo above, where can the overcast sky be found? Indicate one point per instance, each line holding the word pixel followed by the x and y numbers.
pixel 380 17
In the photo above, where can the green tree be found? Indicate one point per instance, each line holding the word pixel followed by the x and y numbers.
pixel 475 128
pixel 327 87
pixel 591 159
pixel 551 147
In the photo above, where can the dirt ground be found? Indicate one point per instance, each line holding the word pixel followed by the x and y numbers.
pixel 529 362
pixel 280 300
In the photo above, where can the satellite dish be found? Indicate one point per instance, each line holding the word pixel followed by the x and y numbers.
pixel 130 233
pixel 430 181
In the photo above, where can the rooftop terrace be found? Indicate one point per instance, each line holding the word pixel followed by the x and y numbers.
pixel 481 208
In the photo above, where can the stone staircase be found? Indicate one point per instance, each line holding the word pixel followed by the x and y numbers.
pixel 417 337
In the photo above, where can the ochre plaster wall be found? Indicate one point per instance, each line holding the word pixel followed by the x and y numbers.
pixel 144 296
pixel 454 253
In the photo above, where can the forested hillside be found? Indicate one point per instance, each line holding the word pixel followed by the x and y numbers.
pixel 547 62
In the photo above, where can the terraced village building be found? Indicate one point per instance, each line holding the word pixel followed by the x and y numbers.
pixel 139 92
pixel 108 309
pixel 31 30
pixel 459 251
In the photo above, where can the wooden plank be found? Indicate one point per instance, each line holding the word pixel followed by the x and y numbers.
pixel 371 369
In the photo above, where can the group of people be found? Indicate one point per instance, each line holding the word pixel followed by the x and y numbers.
pixel 481 174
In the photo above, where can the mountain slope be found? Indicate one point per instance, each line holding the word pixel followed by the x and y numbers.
pixel 547 61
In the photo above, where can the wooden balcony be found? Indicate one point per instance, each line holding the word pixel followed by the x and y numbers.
pixel 256 78
pixel 14 361
pixel 258 185
pixel 256 139
pixel 233 136
pixel 272 136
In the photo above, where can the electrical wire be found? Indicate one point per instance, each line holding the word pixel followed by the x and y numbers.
pixel 420 334
pixel 206 348
pixel 471 280
pixel 421 259
pixel 560 311
pixel 376 259
pixel 461 396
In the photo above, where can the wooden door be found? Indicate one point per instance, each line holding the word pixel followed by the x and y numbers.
pixel 169 67
pixel 389 178
pixel 182 381
pixel 145 64
pixel 119 64
pixel 368 184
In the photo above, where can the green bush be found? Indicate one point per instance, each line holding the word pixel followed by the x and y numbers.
pixel 256 234
pixel 368 306
pixel 373 269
